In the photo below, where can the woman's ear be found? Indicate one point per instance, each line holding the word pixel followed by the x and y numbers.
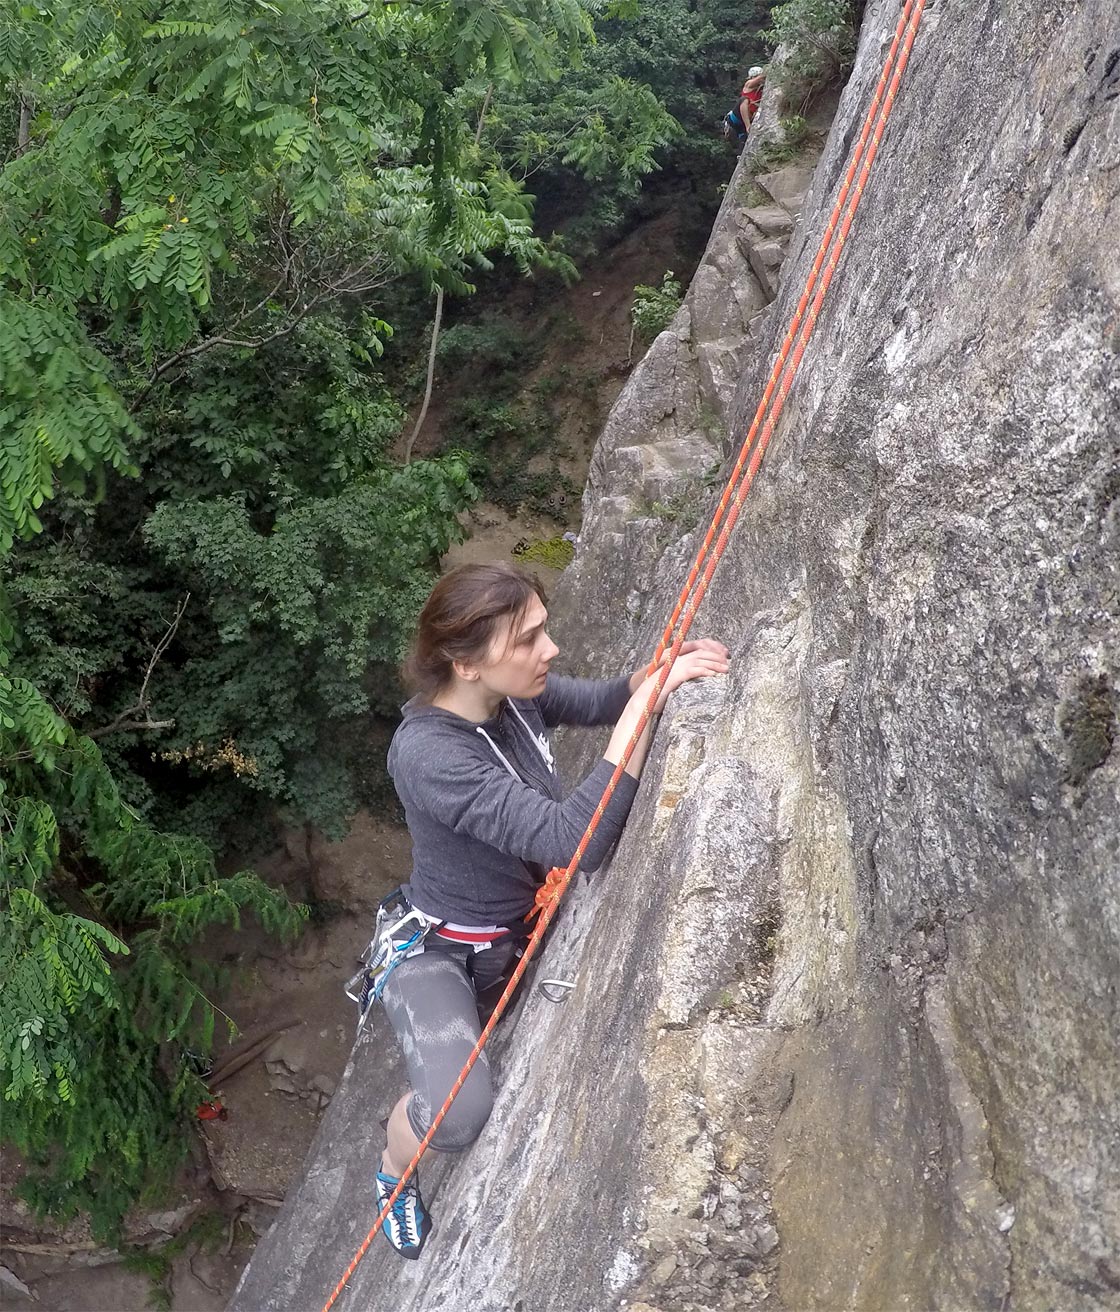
pixel 465 671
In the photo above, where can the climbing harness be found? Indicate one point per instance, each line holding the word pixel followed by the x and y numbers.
pixel 733 124
pixel 715 542
pixel 398 933
pixel 400 928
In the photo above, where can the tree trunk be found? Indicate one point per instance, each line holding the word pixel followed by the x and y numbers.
pixel 23 140
pixel 482 115
pixel 431 376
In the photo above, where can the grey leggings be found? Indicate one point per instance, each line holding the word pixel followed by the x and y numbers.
pixel 432 1004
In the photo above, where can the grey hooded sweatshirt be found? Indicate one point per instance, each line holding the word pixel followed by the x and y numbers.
pixel 484 805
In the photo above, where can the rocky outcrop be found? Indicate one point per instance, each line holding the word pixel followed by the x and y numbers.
pixel 844 1029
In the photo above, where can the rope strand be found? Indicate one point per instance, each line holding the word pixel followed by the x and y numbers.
pixel 778 370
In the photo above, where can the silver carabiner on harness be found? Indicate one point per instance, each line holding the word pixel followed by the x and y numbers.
pixel 398 933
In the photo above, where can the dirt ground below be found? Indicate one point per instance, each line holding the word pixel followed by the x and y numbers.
pixel 295 1026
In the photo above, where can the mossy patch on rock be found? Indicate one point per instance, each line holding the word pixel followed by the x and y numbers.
pixel 556 553
pixel 1087 723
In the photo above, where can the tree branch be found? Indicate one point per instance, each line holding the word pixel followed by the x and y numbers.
pixel 554 149
pixel 309 284
pixel 126 721
pixel 128 726
pixel 23 139
pixel 431 376
pixel 188 352
pixel 482 115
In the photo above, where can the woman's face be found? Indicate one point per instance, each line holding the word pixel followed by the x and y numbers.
pixel 517 663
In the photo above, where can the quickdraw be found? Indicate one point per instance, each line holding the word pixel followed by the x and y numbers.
pixel 398 934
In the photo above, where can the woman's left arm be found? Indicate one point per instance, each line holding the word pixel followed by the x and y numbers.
pixel 587 702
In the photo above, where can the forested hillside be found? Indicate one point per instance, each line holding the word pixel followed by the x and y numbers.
pixel 215 218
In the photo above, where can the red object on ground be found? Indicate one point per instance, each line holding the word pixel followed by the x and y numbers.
pixel 211 1110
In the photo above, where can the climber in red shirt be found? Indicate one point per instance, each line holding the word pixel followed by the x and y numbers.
pixel 751 95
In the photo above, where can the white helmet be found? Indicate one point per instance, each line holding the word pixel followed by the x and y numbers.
pixel 754 72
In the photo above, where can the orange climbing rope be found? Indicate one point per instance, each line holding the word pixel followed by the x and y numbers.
pixel 832 243
pixel 715 541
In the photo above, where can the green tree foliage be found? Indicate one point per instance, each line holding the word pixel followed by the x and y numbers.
pixel 817 39
pixel 648 94
pixel 654 307
pixel 203 543
pixel 300 616
pixel 94 1090
pixel 268 501
pixel 510 429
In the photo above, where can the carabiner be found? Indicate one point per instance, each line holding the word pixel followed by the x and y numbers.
pixel 556 990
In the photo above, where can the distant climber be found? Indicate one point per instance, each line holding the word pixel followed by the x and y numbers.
pixel 473 767
pixel 750 98
pixel 739 119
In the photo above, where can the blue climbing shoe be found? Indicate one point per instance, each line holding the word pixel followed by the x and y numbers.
pixel 408 1223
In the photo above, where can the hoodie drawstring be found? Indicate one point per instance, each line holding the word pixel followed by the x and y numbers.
pixel 540 742
pixel 498 752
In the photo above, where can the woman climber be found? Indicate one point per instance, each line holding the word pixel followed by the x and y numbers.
pixel 739 119
pixel 750 98
pixel 473 767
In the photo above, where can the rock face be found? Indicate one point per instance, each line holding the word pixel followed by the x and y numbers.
pixel 845 1026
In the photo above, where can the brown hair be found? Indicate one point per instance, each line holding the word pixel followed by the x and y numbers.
pixel 461 618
